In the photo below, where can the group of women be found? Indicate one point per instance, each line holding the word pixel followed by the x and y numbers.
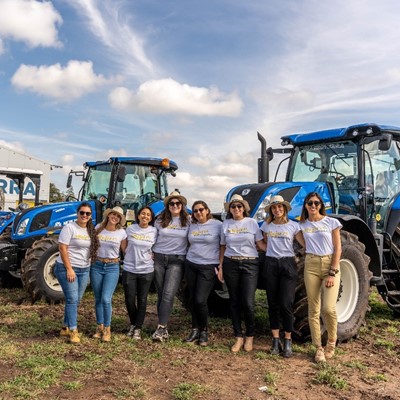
pixel 201 250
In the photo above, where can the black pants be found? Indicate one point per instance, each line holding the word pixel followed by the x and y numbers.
pixel 136 287
pixel 280 278
pixel 241 279
pixel 200 280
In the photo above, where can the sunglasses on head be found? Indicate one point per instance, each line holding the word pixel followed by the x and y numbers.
pixel 88 213
pixel 174 203
pixel 239 206
pixel 316 203
pixel 198 210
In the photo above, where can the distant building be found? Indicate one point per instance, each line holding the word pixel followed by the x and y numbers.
pixel 14 162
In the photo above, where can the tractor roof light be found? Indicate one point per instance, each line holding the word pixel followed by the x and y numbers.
pixel 284 142
pixel 165 163
pixel 355 132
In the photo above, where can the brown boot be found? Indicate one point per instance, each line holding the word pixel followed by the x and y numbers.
pixel 330 350
pixel 238 345
pixel 65 332
pixel 99 331
pixel 248 343
pixel 106 334
pixel 74 337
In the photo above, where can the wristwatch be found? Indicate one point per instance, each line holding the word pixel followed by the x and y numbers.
pixel 333 272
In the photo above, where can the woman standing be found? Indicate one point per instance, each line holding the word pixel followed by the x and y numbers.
pixel 321 273
pixel 139 269
pixel 104 272
pixel 201 261
pixel 280 271
pixel 169 257
pixel 239 267
pixel 78 243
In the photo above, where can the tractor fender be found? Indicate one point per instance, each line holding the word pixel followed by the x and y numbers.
pixel 358 227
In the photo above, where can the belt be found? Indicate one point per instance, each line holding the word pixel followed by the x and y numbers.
pixel 242 258
pixel 108 260
pixel 318 255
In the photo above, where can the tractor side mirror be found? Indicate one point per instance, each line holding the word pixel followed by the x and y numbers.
pixel 69 181
pixel 121 174
pixel 385 142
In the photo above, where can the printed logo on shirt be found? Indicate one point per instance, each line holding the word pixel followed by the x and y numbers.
pixel 236 231
pixel 277 234
pixel 105 238
pixel 314 229
pixel 201 233
pixel 142 237
pixel 81 237
pixel 176 227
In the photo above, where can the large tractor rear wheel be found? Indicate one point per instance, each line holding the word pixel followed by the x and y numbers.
pixel 38 275
pixel 352 303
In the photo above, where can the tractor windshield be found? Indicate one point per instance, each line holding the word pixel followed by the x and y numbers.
pixel 333 163
pixel 133 185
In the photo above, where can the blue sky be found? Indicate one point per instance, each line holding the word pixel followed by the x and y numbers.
pixel 82 80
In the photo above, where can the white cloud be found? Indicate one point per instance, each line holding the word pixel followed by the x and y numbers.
pixel 165 96
pixel 67 158
pixel 200 161
pixel 111 26
pixel 2 48
pixel 61 83
pixel 30 21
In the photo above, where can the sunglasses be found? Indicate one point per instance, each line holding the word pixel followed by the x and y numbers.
pixel 199 210
pixel 88 213
pixel 239 206
pixel 316 203
pixel 174 203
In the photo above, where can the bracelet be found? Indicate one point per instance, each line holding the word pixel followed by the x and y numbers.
pixel 332 272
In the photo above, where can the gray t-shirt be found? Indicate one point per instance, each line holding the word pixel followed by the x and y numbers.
pixel 78 241
pixel 139 256
pixel 110 243
pixel 240 237
pixel 318 235
pixel 280 238
pixel 204 242
pixel 173 239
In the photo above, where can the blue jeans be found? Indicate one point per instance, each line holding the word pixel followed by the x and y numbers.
pixel 136 287
pixel 73 292
pixel 241 279
pixel 104 279
pixel 168 273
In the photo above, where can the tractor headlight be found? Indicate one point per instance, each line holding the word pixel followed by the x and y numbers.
pixel 260 214
pixel 21 229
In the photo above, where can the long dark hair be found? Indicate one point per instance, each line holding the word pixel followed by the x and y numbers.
pixel 94 239
pixel 204 204
pixel 304 211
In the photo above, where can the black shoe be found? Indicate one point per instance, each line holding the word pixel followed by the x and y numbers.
pixel 193 336
pixel 203 340
pixel 287 348
pixel 276 346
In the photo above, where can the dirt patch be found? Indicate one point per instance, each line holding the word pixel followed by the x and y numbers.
pixel 367 367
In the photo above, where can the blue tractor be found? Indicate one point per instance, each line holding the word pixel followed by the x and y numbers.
pixel 129 182
pixel 356 170
pixel 11 277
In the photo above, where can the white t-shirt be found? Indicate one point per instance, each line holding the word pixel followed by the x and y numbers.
pixel 173 239
pixel 280 238
pixel 78 241
pixel 240 237
pixel 318 235
pixel 110 242
pixel 139 256
pixel 204 242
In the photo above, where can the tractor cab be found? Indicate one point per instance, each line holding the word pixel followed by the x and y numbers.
pixel 130 183
pixel 361 167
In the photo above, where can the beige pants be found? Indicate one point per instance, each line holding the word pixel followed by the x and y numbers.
pixel 315 274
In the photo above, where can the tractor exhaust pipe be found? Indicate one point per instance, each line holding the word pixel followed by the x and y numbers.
pixel 263 161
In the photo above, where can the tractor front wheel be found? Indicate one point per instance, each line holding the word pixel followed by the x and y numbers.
pixel 38 275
